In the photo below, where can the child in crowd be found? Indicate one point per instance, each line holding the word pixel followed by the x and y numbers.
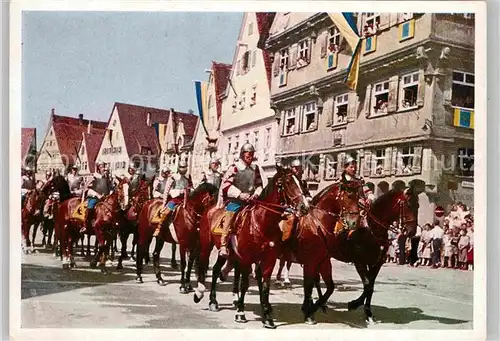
pixel 463 247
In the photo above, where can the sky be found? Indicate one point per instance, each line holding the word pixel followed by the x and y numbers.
pixel 83 62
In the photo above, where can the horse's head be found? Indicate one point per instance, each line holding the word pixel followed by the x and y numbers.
pixel 204 196
pixel 139 197
pixel 120 193
pixel 34 202
pixel 285 186
pixel 400 206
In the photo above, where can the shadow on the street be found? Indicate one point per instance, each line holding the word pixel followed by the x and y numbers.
pixel 290 314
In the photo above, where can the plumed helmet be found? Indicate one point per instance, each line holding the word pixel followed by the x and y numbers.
pixel 247 148
pixel 348 160
pixel 296 163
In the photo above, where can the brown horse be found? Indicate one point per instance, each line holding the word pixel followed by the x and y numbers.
pixel 316 241
pixel 31 214
pixel 258 242
pixel 181 228
pixel 67 228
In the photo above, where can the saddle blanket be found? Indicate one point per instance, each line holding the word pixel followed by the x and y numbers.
pixel 238 221
pixel 80 211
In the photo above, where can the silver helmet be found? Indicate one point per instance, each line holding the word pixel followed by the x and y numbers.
pixel 247 148
pixel 296 163
pixel 348 160
pixel 182 167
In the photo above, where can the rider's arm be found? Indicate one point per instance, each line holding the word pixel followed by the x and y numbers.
pixel 168 186
pixel 258 182
pixel 227 188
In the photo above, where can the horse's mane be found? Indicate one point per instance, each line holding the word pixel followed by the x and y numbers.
pixel 325 190
pixel 268 189
pixel 389 195
pixel 204 187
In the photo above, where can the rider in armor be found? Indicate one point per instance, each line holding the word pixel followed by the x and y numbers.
pixel 241 184
pixel 213 176
pixel 27 183
pixel 351 183
pixel 177 186
pixel 160 183
pixel 75 181
pixel 133 181
pixel 98 186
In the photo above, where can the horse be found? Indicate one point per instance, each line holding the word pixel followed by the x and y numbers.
pixel 68 228
pixel 258 241
pixel 316 242
pixel 31 214
pixel 182 229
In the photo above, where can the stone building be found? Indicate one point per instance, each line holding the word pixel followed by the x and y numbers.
pixel 247 115
pixel 410 120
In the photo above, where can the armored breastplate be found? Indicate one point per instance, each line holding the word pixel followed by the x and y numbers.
pixel 74 183
pixel 244 180
pixel 160 187
pixel 181 183
pixel 102 186
pixel 134 183
pixel 214 179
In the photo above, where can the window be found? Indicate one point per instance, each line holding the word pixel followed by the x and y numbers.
pixel 380 97
pixel 303 57
pixel 311 169
pixel 256 139
pixel 236 143
pixel 409 91
pixel 253 99
pixel 210 101
pixel 254 57
pixel 244 62
pixel 268 138
pixel 284 59
pixel 406 16
pixel 242 100
pixel 114 123
pixel 330 167
pixel 250 29
pixel 333 39
pixel 465 162
pixel 378 162
pixel 341 109
pixel 290 122
pixel 372 22
pixel 229 146
pixel 309 111
pixel 247 137
pixel 462 92
pixel 235 103
pixel 405 160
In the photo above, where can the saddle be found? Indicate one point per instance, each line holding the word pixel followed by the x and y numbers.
pixel 238 221
pixel 159 215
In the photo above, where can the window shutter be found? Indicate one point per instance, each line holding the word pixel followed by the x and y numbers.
pixel 254 57
pixel 340 163
pixel 448 83
pixel 388 161
pixel 276 68
pixel 367 166
pixel 329 113
pixel 368 98
pixel 352 106
pixel 324 46
pixel 394 161
pixel 417 160
pixel 393 94
pixel 299 119
pixel 421 88
pixel 292 57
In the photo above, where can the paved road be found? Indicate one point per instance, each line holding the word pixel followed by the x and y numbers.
pixel 404 297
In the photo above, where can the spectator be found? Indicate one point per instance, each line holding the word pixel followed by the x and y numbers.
pixel 415 240
pixel 391 254
pixel 470 251
pixel 402 248
pixel 425 239
pixel 448 248
pixel 463 247
pixel 454 248
pixel 437 241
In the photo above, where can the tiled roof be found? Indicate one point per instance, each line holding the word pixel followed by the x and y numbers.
pixel 221 73
pixel 68 132
pixel 93 143
pixel 264 22
pixel 28 135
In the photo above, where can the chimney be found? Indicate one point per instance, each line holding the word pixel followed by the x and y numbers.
pixel 80 118
pixel 148 119
pixel 53 111
pixel 89 127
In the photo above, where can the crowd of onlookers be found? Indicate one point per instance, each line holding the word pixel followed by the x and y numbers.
pixel 445 244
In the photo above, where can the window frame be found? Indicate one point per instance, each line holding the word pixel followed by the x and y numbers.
pixel 256 139
pixel 403 86
pixel 462 83
pixel 374 159
pixel 345 97
pixel 334 39
pixel 328 165
pixel 287 117
pixel 400 167
pixel 460 156
pixel 375 93
pixel 305 112
pixel 284 59
pixel 303 52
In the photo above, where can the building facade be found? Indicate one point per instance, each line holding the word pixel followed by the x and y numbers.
pixel 206 145
pixel 410 120
pixel 28 148
pixel 60 146
pixel 247 115
pixel 87 152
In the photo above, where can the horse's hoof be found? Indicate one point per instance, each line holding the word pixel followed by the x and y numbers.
pixel 269 324
pixel 161 282
pixel 174 265
pixel 196 299
pixel 104 271
pixel 352 306
pixel 183 290
pixel 240 318
pixel 65 266
pixel 369 321
pixel 139 280
pixel 73 265
pixel 119 266
pixel 213 307
pixel 93 265
pixel 189 288
pixel 310 321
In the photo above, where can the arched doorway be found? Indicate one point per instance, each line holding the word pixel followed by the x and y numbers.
pixel 398 185
pixel 382 188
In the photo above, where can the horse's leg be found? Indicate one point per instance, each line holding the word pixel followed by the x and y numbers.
pixel 134 244
pixel 363 274
pixel 138 262
pixel 50 232
pixel 33 236
pixel 82 241
pixel 156 261
pixel 205 246
pixel 317 285
pixel 106 244
pixel 44 231
pixel 191 260
pixel 287 282
pixel 64 246
pixel 213 304
pixel 146 251
pixel 236 283
pixel 326 274
pixel 310 276
pixel 280 269
pixel 72 262
pixel 99 249
pixel 123 254
pixel 240 307
pixel 182 288
pixel 173 262
pixel 372 275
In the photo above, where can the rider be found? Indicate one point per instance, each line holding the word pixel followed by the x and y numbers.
pixel 242 183
pixel 133 180
pixel 160 183
pixel 176 187
pixel 98 186
pixel 351 183
pixel 213 176
pixel 27 183
pixel 75 181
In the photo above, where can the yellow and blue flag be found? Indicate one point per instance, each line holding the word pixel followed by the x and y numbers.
pixel 346 25
pixel 201 89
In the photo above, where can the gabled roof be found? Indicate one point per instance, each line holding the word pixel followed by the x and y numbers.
pixel 264 22
pixel 92 144
pixel 68 133
pixel 221 73
pixel 28 135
